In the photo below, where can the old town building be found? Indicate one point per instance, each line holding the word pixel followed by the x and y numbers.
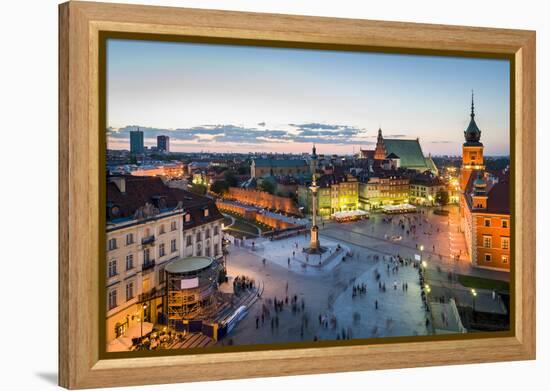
pixel 148 225
pixel 383 187
pixel 424 188
pixel 397 153
pixel 484 206
pixel 278 167
pixel 337 193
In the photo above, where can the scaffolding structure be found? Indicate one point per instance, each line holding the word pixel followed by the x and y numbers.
pixel 191 289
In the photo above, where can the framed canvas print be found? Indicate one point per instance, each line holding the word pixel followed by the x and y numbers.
pixel 247 195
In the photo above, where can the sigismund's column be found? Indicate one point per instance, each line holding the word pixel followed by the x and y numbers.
pixel 314 242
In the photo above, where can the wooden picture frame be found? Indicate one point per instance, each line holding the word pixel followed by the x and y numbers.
pixel 81 244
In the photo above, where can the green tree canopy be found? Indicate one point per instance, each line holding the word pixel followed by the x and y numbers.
pixel 219 187
pixel 268 187
pixel 231 178
pixel 198 188
pixel 442 197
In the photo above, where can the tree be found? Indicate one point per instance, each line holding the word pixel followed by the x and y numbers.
pixel 219 187
pixel 231 178
pixel 442 197
pixel 267 186
pixel 198 188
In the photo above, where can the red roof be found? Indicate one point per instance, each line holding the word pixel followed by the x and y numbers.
pixel 152 190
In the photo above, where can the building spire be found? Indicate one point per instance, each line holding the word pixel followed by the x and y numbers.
pixel 472 114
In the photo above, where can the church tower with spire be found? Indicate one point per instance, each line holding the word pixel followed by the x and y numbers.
pixel 472 150
pixel 380 150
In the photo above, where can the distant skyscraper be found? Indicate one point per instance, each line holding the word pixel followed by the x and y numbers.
pixel 136 142
pixel 163 143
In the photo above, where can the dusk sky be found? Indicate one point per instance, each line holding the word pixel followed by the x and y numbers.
pixel 222 98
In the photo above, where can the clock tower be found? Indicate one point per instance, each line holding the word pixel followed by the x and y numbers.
pixel 472 150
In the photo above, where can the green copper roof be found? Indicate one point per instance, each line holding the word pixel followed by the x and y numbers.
pixel 189 264
pixel 409 152
pixel 431 165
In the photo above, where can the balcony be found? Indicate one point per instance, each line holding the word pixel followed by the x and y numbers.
pixel 148 265
pixel 148 240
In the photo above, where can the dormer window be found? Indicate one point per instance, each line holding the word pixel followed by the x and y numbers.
pixel 187 218
pixel 206 212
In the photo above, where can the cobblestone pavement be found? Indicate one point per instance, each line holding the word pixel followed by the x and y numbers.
pixel 399 313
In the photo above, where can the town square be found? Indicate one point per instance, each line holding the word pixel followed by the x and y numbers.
pixel 225 233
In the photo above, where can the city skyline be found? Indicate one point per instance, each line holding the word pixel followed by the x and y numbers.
pixel 223 98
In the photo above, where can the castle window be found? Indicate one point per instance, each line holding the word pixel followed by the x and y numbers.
pixel 504 223
pixel 505 259
pixel 487 222
pixel 488 258
pixel 487 241
pixel 505 243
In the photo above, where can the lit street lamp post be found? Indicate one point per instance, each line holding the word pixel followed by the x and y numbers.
pixel 474 294
pixel 144 307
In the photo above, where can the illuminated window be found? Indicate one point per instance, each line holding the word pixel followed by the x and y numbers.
pixel 505 243
pixel 487 241
pixel 505 259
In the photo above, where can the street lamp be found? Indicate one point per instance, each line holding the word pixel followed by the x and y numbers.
pixel 144 307
pixel 474 294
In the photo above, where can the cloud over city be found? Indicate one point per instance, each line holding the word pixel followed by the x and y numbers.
pixel 317 133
